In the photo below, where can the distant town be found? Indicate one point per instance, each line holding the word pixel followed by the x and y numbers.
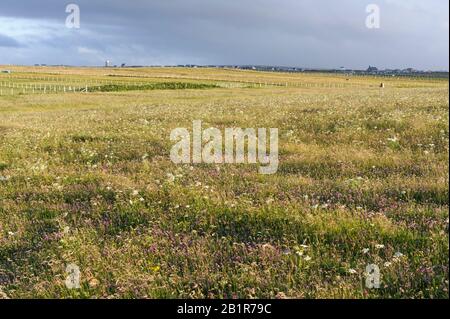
pixel 371 70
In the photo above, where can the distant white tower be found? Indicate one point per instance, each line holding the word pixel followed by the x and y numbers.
pixel 107 63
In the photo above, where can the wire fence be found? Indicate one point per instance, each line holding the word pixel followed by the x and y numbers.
pixel 24 84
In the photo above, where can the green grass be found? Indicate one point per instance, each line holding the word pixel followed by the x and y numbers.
pixel 363 176
pixel 152 86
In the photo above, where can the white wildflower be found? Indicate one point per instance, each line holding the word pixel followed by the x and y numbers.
pixel 393 139
pixel 398 255
pixel 170 178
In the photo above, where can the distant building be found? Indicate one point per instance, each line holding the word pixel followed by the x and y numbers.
pixel 6 71
pixel 107 64
pixel 371 69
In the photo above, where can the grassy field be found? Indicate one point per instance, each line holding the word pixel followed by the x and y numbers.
pixel 86 178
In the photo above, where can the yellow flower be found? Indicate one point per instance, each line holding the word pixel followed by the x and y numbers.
pixel 155 268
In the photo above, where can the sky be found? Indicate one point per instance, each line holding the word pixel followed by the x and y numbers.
pixel 301 33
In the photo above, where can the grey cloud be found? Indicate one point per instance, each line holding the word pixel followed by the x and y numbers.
pixel 6 41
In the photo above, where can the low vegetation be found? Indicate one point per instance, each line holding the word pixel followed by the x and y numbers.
pixel 86 179
pixel 152 86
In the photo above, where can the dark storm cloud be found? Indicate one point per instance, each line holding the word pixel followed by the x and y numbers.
pixel 307 33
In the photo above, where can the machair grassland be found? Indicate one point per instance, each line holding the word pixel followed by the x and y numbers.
pixel 86 178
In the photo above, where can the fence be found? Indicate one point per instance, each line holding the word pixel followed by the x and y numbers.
pixel 22 84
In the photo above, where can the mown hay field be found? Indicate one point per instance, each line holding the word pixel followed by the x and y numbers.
pixel 86 179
